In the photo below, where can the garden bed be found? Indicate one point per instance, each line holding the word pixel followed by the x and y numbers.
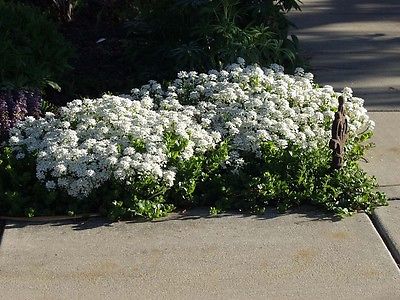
pixel 242 138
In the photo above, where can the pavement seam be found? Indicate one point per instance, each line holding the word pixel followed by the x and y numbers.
pixel 384 110
pixel 394 253
pixel 388 185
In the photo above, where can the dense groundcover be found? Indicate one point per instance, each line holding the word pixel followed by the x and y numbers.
pixel 242 138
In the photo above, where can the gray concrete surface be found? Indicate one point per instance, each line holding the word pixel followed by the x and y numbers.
pixel 384 164
pixel 387 222
pixel 384 158
pixel 303 255
pixel 354 43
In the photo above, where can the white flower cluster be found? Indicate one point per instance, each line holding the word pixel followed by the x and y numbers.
pixel 94 140
pixel 249 104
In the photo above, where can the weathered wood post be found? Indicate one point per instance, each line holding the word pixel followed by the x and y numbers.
pixel 339 136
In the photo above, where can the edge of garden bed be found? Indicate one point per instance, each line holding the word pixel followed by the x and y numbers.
pixel 49 218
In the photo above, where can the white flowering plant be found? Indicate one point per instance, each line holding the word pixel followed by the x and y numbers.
pixel 120 145
pixel 243 137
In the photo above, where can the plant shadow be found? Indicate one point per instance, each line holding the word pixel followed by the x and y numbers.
pixel 305 213
pixel 77 225
pixel 346 47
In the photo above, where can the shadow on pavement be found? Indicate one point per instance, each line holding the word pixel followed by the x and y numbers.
pixel 309 213
pixel 306 213
pixel 84 224
pixel 353 43
pixel 323 12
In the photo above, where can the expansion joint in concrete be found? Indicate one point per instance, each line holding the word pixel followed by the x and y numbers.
pixel 386 240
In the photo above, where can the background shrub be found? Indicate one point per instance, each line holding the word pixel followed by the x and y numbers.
pixel 95 28
pixel 60 10
pixel 125 43
pixel 168 36
pixel 32 53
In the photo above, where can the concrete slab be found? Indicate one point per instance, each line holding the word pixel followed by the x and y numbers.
pixel 304 255
pixel 354 43
pixel 348 7
pixel 387 221
pixel 384 158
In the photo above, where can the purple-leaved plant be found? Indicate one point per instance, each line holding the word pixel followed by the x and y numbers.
pixel 15 105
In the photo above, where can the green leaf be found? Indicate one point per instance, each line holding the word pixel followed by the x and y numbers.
pixel 53 85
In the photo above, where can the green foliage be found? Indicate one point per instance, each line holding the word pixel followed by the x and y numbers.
pixel 32 53
pixel 47 106
pixel 145 197
pixel 142 40
pixel 290 174
pixel 194 175
pixel 348 190
pixel 283 178
pixel 215 211
pixel 21 194
pixel 290 177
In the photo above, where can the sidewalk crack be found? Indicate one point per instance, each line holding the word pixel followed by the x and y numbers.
pixel 389 185
pixel 386 241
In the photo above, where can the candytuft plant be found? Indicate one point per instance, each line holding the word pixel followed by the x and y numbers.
pixel 243 138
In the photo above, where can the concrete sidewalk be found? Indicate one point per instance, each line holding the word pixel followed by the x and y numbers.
pixel 303 255
pixel 354 43
pixel 383 161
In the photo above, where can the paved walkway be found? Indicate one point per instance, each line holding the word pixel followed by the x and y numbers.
pixel 303 255
pixel 354 43
pixel 384 163
pixel 384 158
